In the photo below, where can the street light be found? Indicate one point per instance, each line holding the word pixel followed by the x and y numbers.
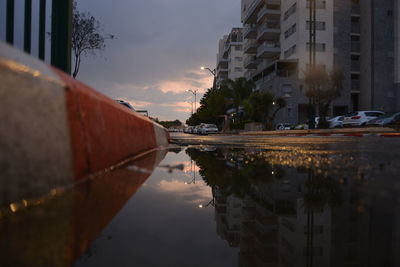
pixel 194 92
pixel 191 103
pixel 213 72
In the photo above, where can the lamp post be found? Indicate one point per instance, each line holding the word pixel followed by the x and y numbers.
pixel 191 103
pixel 194 92
pixel 214 73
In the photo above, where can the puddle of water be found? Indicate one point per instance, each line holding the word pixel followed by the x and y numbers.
pixel 208 206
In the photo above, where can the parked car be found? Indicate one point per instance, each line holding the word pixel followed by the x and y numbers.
pixel 391 118
pixel 336 122
pixel 302 126
pixel 283 126
pixel 361 118
pixel 196 129
pixel 208 129
pixel 126 104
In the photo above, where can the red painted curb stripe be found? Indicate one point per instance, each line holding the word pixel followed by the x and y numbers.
pixel 103 132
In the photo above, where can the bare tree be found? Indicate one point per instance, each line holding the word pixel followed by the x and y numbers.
pixel 323 88
pixel 86 36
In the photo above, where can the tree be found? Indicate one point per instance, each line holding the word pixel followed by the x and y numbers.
pixel 278 104
pixel 86 36
pixel 323 88
pixel 240 89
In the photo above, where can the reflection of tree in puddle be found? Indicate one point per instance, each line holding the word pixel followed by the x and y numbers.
pixel 284 216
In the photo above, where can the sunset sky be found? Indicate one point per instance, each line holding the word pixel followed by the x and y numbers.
pixel 159 48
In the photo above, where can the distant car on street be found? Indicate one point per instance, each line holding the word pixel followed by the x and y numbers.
pixel 208 129
pixel 361 118
pixel 387 119
pixel 126 104
pixel 283 126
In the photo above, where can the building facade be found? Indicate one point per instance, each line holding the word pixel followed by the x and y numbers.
pixel 277 49
pixel 230 56
pixel 379 50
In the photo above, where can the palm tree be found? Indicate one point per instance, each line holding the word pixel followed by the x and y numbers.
pixel 240 89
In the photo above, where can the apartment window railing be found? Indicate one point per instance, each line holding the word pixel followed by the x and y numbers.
pixel 274 25
pixel 266 46
pixel 290 51
pixel 290 11
pixel 290 31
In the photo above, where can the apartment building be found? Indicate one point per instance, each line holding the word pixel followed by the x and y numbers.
pixel 379 75
pixel 277 48
pixel 230 56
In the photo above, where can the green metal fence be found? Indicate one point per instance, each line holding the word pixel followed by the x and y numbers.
pixel 61 29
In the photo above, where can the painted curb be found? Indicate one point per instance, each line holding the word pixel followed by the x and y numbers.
pixel 56 130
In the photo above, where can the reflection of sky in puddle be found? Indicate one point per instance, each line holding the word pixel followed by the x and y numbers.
pixel 161 225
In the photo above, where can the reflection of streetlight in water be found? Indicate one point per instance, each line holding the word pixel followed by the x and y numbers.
pixel 193 171
pixel 211 202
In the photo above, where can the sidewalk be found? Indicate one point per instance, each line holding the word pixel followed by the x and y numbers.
pixel 358 132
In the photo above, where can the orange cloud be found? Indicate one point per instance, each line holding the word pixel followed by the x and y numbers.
pixel 202 82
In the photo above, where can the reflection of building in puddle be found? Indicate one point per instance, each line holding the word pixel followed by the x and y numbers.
pixel 302 219
pixel 58 231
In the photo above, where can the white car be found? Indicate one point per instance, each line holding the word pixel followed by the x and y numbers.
pixel 208 129
pixel 283 126
pixel 360 118
pixel 336 122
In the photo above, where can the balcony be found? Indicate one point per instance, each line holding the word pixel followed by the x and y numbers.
pixel 250 16
pixel 268 13
pixel 223 62
pixel 355 86
pixel 355 66
pixel 251 62
pixel 222 71
pixel 250 31
pixel 355 47
pixel 271 31
pixel 269 50
pixel 355 28
pixel 250 47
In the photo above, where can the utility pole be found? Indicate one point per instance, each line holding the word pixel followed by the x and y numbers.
pixel 194 92
pixel 312 47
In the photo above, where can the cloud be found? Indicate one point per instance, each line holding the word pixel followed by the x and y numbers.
pixel 159 48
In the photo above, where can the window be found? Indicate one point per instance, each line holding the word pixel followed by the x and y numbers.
pixel 238 47
pixel 237 69
pixel 238 58
pixel 290 31
pixel 290 51
pixel 290 11
pixel 320 4
pixel 319 47
pixel 287 88
pixel 319 25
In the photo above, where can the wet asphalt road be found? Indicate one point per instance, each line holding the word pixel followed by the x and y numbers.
pixel 369 155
